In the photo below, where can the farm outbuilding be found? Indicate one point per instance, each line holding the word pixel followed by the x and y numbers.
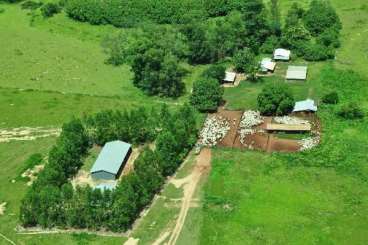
pixel 297 73
pixel 288 127
pixel 281 54
pixel 307 105
pixel 267 65
pixel 229 77
pixel 111 161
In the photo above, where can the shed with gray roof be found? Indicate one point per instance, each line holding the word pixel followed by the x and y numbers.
pixel 111 160
pixel 307 105
pixel 297 73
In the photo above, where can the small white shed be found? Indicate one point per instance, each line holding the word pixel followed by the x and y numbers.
pixel 307 105
pixel 281 54
pixel 229 77
pixel 267 65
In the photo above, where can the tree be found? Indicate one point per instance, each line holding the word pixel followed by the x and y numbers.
pixel 243 59
pixel 207 94
pixel 320 17
pixel 275 100
pixel 295 36
pixel 167 148
pixel 294 14
pixel 50 9
pixel 275 23
pixel 157 73
pixel 200 51
pixel 215 71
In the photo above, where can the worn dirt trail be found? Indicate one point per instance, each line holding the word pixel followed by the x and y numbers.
pixel 190 183
pixel 27 133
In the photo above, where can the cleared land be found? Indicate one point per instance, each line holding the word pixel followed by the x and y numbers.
pixel 54 70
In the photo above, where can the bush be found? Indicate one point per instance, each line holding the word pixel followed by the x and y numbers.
pixel 351 111
pixel 270 45
pixel 207 94
pixel 331 98
pixel 215 71
pixel 244 60
pixel 329 38
pixel 50 9
pixel 32 5
pixel 275 100
pixel 2 10
pixel 317 52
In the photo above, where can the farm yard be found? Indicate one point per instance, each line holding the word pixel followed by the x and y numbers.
pixel 255 187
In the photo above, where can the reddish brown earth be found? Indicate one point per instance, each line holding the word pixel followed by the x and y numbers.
pixel 263 140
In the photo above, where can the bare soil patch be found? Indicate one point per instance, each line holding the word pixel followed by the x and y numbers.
pixel 27 133
pixel 2 208
pixel 233 117
pixel 31 174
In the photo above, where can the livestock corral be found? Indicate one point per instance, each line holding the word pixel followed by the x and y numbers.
pixel 249 130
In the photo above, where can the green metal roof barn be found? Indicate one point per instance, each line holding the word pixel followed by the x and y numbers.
pixel 111 160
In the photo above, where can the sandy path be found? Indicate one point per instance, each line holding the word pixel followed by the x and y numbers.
pixel 27 133
pixel 189 184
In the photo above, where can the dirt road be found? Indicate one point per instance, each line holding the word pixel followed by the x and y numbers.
pixel 189 184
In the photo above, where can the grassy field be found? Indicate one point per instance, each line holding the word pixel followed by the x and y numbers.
pixel 52 70
pixel 317 197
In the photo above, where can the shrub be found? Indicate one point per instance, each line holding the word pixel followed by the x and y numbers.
pixel 214 71
pixel 329 38
pixel 270 45
pixel 244 60
pixel 351 111
pixel 317 52
pixel 32 5
pixel 207 95
pixel 2 10
pixel 275 100
pixel 331 98
pixel 50 9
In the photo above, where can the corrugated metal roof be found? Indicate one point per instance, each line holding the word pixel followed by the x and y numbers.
pixel 297 73
pixel 288 127
pixel 267 64
pixel 230 76
pixel 281 54
pixel 305 105
pixel 111 157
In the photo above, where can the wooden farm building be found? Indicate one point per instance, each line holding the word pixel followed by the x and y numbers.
pixel 111 160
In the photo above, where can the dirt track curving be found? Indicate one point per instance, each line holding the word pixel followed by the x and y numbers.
pixel 189 184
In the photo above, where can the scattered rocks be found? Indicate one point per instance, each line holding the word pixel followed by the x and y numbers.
pixel 214 130
pixel 309 143
pixel 249 120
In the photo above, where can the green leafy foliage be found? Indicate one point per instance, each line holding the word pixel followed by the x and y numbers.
pixel 351 111
pixel 207 94
pixel 244 60
pixel 32 5
pixel 215 71
pixel 275 100
pixel 321 16
pixel 331 98
pixel 50 9
pixel 157 73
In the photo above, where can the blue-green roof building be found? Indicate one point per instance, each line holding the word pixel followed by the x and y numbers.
pixel 111 160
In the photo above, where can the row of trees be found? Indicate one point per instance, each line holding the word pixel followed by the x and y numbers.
pixel 52 201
